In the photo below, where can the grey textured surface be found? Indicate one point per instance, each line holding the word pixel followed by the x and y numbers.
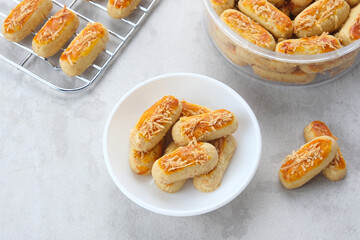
pixel 54 183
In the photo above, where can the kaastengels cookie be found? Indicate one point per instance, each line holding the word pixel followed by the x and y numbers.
pixel 225 45
pixel 336 170
pixel 221 5
pixel 191 109
pixel 84 49
pixel 171 187
pixel 296 76
pixel 321 16
pixel 204 127
pixel 301 166
pixel 210 181
pixel 248 29
pixel 309 46
pixel 268 16
pixel 121 8
pixel 24 18
pixel 154 123
pixel 55 33
pixel 175 186
pixel 273 65
pixel 141 162
pixel 185 162
pixel 350 31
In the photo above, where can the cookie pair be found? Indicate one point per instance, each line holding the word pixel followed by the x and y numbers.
pixel 320 154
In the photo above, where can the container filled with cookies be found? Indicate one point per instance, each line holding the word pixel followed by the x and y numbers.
pixel 288 42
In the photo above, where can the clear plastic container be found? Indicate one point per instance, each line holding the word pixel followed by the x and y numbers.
pixel 267 66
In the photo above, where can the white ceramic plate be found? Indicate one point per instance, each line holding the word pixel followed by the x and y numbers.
pixel 188 201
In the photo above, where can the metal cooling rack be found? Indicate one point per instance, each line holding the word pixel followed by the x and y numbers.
pixel 84 80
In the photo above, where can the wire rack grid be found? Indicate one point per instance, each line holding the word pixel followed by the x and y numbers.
pixel 77 83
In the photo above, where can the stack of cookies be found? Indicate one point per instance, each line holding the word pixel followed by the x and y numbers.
pixel 200 145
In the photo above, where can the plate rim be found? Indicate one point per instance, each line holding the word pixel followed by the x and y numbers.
pixel 175 212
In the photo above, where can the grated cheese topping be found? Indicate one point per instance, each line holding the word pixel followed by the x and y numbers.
pixel 247 28
pixel 17 17
pixel 205 123
pixel 304 159
pixel 310 45
pixel 267 11
pixel 184 157
pixel 322 130
pixel 190 109
pixel 193 142
pixel 324 9
pixel 58 21
pixel 157 121
pixel 192 112
pixel 83 41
